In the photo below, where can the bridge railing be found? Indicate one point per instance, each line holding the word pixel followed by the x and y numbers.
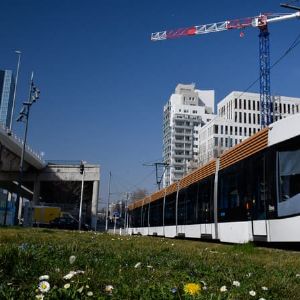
pixel 21 141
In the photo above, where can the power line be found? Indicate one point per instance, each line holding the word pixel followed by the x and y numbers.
pixel 290 48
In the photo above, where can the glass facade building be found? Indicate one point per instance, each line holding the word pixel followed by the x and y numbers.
pixel 7 85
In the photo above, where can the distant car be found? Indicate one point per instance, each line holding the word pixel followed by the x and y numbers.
pixel 67 222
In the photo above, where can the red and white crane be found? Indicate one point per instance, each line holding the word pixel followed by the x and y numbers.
pixel 261 22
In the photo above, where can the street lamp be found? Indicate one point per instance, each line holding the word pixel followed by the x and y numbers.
pixel 34 94
pixel 82 172
pixel 15 90
pixel 108 200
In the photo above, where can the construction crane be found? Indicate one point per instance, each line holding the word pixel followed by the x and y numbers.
pixel 261 22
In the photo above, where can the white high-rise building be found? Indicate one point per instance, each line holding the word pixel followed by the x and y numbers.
pixel 238 118
pixel 186 109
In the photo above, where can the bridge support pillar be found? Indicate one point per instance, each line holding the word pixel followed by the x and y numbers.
pixel 95 204
pixel 36 192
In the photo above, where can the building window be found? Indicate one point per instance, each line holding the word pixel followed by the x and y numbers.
pixel 235 103
pixel 235 117
pixel 289 108
pixel 245 118
pixel 249 104
pixel 258 107
pixel 230 130
pixel 226 129
pixel 253 103
pixel 216 141
pixel 245 104
pixel 249 131
pixel 221 142
pixel 249 115
pixel 258 119
pixel 216 129
pixel 241 131
pixel 235 130
pixel 240 103
pixel 245 131
pixel 254 119
pixel 221 129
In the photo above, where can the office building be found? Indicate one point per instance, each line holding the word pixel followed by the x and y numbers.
pixel 7 85
pixel 186 109
pixel 238 117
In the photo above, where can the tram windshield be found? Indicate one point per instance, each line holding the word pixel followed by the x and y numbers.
pixel 289 183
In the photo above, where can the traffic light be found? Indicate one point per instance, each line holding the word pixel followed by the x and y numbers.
pixel 81 168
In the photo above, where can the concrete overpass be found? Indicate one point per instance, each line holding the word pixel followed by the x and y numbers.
pixel 48 183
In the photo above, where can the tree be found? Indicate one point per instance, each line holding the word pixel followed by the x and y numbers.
pixel 138 194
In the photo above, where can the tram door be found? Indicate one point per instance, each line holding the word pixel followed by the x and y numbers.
pixel 259 215
pixel 206 210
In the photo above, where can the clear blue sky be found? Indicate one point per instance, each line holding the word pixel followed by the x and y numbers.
pixel 104 83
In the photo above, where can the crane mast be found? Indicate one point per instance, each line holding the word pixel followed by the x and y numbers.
pixel 261 22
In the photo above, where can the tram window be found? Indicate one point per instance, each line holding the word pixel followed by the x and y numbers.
pixel 170 209
pixel 289 183
pixel 145 211
pixel 181 218
pixel 192 204
pixel 136 217
pixel 156 213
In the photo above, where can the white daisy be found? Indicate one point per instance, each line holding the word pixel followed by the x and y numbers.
pixel 236 283
pixel 137 265
pixel 44 277
pixel 67 285
pixel 39 296
pixel 70 275
pixel 264 288
pixel 44 286
pixel 72 259
pixel 223 289
pixel 108 288
pixel 252 293
pixel 90 294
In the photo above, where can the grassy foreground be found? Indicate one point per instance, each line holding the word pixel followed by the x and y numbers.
pixel 134 267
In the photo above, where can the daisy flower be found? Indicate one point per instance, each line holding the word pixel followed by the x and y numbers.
pixel 108 288
pixel 67 285
pixel 44 277
pixel 236 283
pixel 252 293
pixel 223 289
pixel 72 259
pixel 44 286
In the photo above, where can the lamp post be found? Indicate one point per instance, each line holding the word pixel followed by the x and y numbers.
pixel 108 200
pixel 82 172
pixel 15 90
pixel 34 94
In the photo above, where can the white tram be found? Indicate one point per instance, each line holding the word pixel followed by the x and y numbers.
pixel 250 193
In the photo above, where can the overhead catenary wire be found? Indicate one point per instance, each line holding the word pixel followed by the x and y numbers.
pixel 289 49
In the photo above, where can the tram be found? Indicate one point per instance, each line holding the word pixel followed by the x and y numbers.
pixel 250 193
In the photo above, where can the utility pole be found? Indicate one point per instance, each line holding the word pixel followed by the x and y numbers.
pixel 108 199
pixel 34 94
pixel 126 211
pixel 82 172
pixel 158 165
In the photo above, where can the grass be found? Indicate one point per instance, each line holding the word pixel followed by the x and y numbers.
pixel 141 267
